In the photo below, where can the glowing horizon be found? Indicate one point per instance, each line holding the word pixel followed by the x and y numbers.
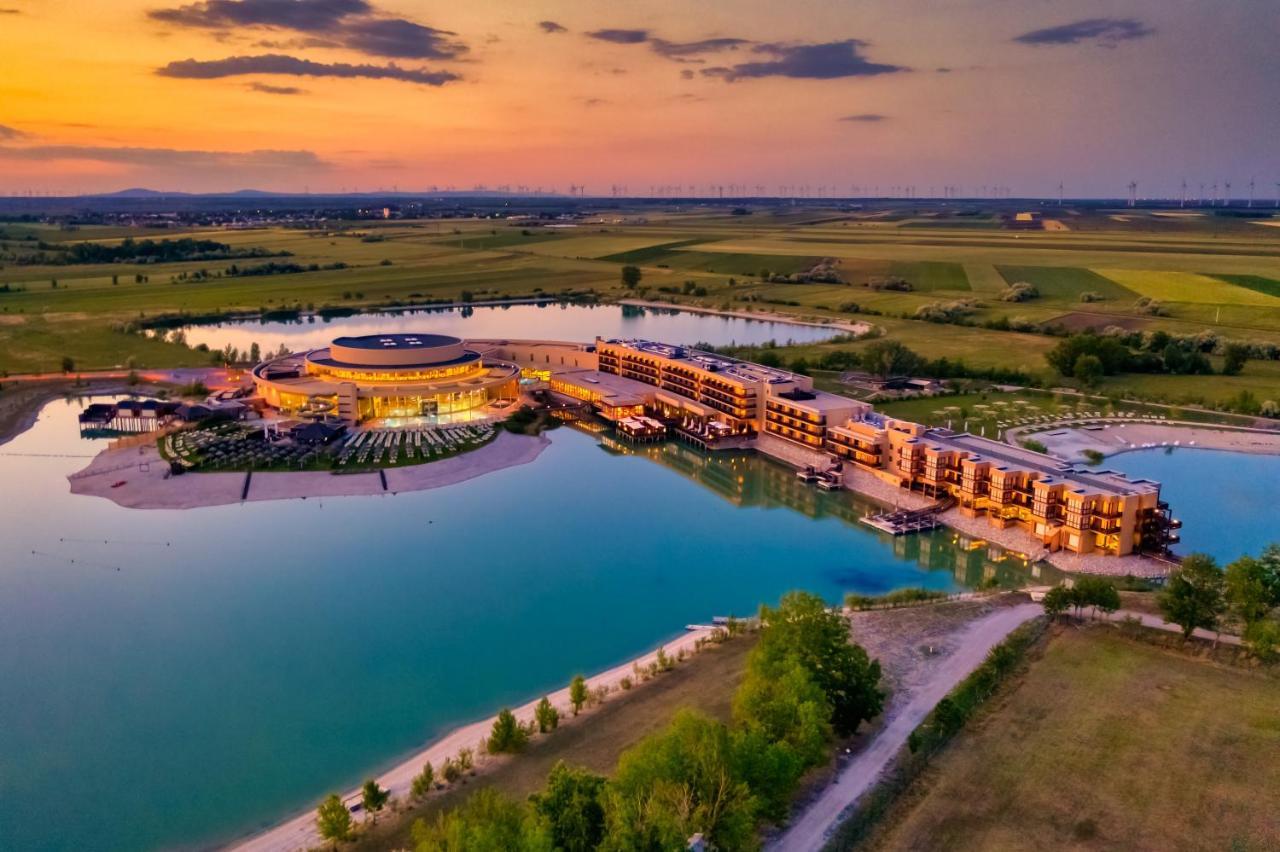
pixel 357 95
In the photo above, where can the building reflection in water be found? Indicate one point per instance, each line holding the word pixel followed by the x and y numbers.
pixel 746 479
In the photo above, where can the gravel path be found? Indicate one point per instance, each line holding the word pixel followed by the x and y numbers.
pixel 919 690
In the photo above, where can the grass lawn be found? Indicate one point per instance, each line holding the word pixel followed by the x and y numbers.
pixel 1067 282
pixel 1187 287
pixel 1107 743
pixel 705 682
pixel 1270 286
pixel 926 275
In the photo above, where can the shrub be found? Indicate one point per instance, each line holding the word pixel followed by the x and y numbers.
pixel 507 735
pixel 1019 292
pixel 1091 296
pixel 1034 445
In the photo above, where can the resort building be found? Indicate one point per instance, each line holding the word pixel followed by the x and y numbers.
pixel 712 397
pixel 715 402
pixel 386 376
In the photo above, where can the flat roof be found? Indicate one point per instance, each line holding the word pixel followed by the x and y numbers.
pixel 708 361
pixel 986 449
pixel 397 341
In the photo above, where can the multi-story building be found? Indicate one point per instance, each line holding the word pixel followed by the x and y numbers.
pixel 1062 508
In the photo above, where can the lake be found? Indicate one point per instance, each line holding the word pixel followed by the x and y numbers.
pixel 550 321
pixel 1226 500
pixel 179 678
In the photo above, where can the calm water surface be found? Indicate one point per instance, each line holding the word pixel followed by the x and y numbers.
pixel 546 322
pixel 176 678
pixel 1226 501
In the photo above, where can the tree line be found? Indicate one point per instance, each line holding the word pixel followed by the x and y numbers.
pixel 805 684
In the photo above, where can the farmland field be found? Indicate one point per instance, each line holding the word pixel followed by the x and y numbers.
pixel 1207 273
pixel 1145 750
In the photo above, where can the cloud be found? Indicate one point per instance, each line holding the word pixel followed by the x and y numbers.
pixel 276 63
pixel 552 27
pixel 7 132
pixel 310 16
pixel 867 117
pixel 620 36
pixel 167 157
pixel 594 102
pixel 679 51
pixel 10 11
pixel 269 89
pixel 353 24
pixel 825 61
pixel 682 50
pixel 1107 32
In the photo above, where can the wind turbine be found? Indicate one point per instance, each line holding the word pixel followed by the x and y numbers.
pixel 1133 193
pixel 1226 193
pixel 1250 192
pixel 1183 201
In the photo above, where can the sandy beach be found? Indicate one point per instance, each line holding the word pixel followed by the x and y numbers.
pixel 300 831
pixel 145 485
pixel 1122 435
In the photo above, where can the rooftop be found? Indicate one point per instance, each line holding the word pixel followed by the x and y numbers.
pixel 708 361
pixel 397 341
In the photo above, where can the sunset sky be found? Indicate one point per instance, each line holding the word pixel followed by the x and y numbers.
pixel 327 95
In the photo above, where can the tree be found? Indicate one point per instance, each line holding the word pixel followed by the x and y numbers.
pixel 1246 590
pixel 373 797
pixel 486 822
pixel 507 735
pixel 1269 559
pixel 786 705
pixel 255 353
pixel 68 364
pixel 803 628
pixel 1263 638
pixel 1057 601
pixel 572 807
pixel 631 277
pixel 333 819
pixel 423 781
pixel 547 716
pixel 890 358
pixel 1088 370
pixel 1193 596
pixel 678 782
pixel 1097 593
pixel 1234 357
pixel 577 693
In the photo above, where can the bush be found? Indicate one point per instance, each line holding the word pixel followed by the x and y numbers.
pixel 1091 296
pixel 507 736
pixel 1019 292
pixel 900 597
pixel 1094 457
pixel 1034 445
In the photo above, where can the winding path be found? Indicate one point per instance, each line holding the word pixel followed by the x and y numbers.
pixel 812 828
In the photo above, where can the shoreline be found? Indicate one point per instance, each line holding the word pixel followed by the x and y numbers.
pixel 299 832
pixel 759 316
pixel 1117 436
pixel 146 486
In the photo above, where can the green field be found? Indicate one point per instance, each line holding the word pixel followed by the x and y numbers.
pixel 1106 743
pixel 1066 282
pixel 1206 272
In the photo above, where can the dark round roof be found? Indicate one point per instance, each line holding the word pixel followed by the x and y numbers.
pixel 383 342
pixel 392 351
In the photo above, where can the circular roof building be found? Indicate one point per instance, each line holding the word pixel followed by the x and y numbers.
pixel 386 376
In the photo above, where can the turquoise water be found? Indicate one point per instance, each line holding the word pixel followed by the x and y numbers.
pixel 1226 500
pixel 177 678
pixel 545 322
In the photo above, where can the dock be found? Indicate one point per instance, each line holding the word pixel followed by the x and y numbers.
pixel 907 521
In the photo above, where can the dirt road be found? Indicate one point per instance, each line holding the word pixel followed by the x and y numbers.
pixel 969 648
